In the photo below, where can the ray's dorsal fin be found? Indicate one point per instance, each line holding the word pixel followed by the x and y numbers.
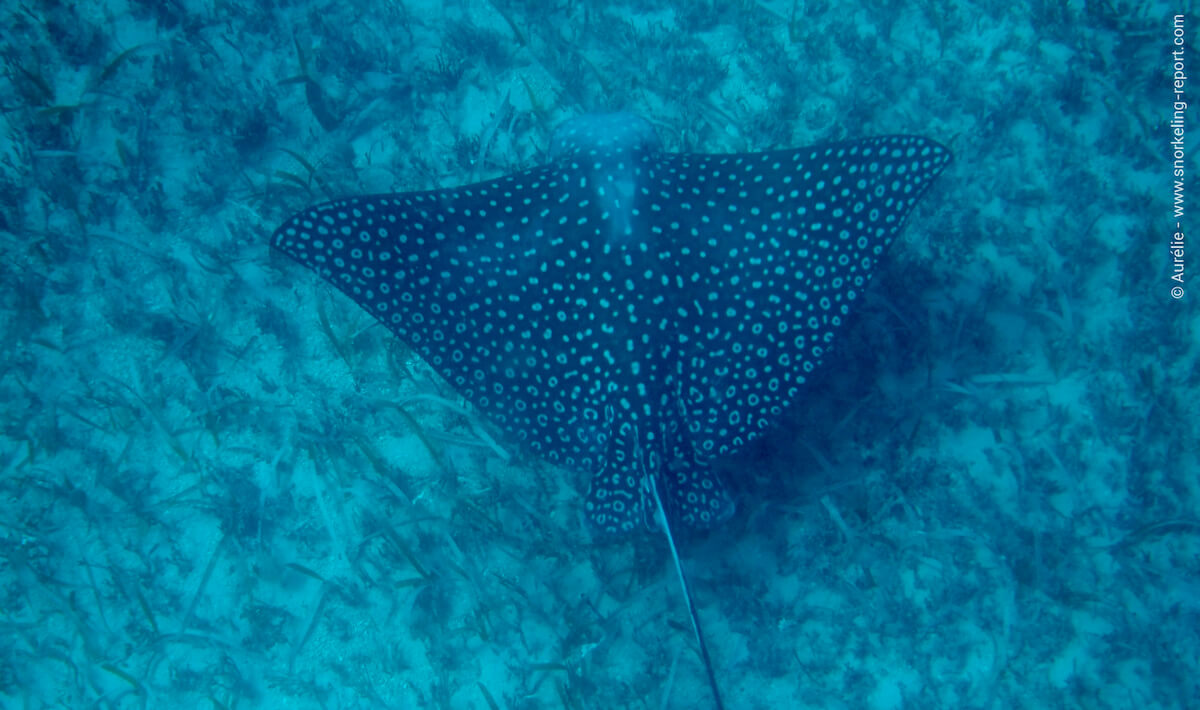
pixel 665 524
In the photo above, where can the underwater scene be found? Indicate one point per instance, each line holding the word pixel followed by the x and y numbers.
pixel 518 354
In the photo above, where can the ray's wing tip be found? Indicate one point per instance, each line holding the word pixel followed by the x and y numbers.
pixel 940 153
pixel 294 226
pixel 940 150
pixel 286 230
pixel 280 233
pixel 936 145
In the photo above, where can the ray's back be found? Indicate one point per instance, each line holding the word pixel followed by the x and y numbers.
pixel 685 295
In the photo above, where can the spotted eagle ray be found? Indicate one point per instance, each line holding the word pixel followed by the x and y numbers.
pixel 623 311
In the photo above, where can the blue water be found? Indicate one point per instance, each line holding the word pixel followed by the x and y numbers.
pixel 221 485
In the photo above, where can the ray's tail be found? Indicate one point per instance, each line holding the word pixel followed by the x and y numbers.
pixel 687 595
